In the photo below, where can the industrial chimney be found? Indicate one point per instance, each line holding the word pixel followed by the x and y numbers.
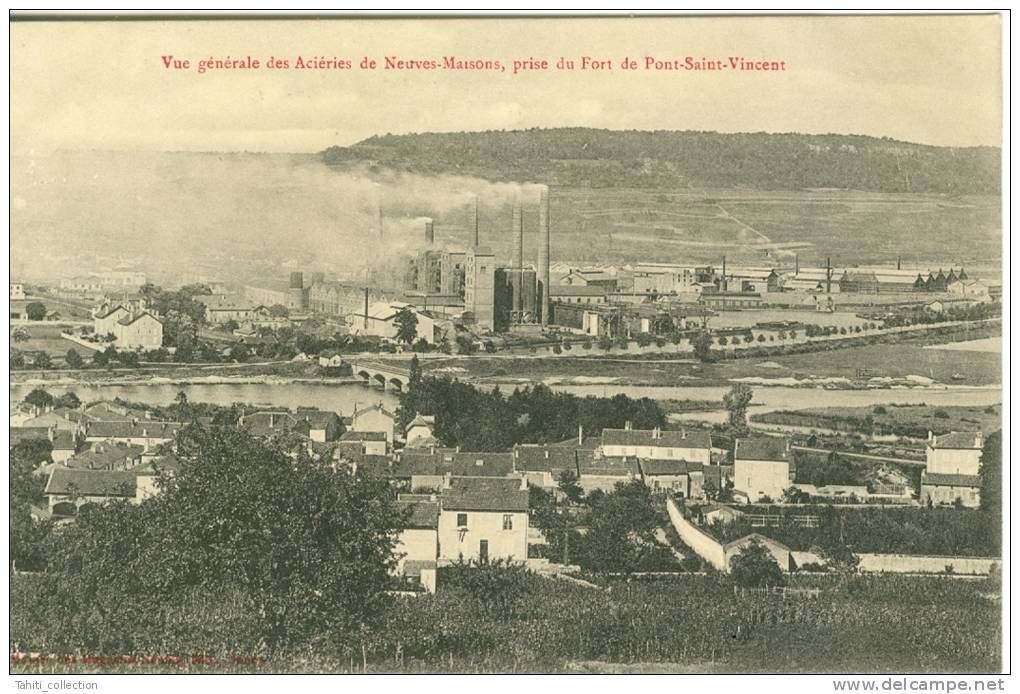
pixel 476 222
pixel 378 220
pixel 543 252
pixel 430 234
pixel 517 257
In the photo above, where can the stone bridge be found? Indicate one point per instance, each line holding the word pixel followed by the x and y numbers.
pixel 385 375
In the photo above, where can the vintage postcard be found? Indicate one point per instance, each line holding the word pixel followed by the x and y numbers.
pixel 508 344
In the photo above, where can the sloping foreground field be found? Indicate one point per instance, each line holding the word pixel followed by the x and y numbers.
pixel 693 623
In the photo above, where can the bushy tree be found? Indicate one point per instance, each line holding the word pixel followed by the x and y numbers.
pixel 406 322
pixel 42 361
pixel 570 486
pixel 620 535
pixel 754 567
pixel 702 344
pixel 736 402
pixel 74 360
pixel 301 552
pixel 35 310
pixel 38 397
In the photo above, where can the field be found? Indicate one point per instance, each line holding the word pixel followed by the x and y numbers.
pixel 46 337
pixel 891 360
pixel 763 227
pixel 894 419
pixel 678 624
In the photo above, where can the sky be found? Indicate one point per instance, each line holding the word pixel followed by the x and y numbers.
pixel 103 85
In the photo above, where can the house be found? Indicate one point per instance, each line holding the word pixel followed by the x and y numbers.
pixel 761 467
pixel 720 513
pixel 331 359
pixel 381 321
pixel 676 476
pixel 372 442
pixel 948 488
pixel 935 307
pixel 691 445
pixel 139 432
pixel 483 518
pixel 375 418
pixel 147 476
pixel 975 290
pixel 67 489
pixel 106 411
pixel 65 444
pixel 139 331
pixel 106 455
pixel 60 418
pixel 268 423
pixel 429 468
pixel 604 472
pixel 543 465
pixel 482 465
pixel 419 431
pixel 320 426
pixel 17 291
pixel 955 453
pixel 104 321
pixel 417 546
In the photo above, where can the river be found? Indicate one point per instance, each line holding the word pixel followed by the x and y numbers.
pixel 340 398
pixel 343 397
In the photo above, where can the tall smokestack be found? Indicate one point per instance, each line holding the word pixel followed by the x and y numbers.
pixel 543 252
pixel 476 221
pixel 378 219
pixel 366 308
pixel 828 275
pixel 430 234
pixel 517 257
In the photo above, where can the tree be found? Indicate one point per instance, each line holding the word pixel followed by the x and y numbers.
pixel 839 557
pixel 702 344
pixel 406 322
pixel 42 361
pixel 35 310
pixel 74 360
pixel 569 485
pixel 300 552
pixel 17 359
pixel 279 311
pixel 605 342
pixel 755 567
pixel 70 400
pixel 20 335
pixel 621 534
pixel 231 325
pixel 39 398
pixel 736 402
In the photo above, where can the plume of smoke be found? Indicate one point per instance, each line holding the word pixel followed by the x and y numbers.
pixel 229 210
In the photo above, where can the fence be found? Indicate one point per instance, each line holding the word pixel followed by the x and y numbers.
pixel 765 520
pixel 777 591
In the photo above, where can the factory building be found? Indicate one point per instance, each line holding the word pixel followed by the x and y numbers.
pixel 480 287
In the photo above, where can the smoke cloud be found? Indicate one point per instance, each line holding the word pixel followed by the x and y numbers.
pixel 235 216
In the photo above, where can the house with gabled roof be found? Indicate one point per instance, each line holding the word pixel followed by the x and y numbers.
pixel 483 518
pixel 374 418
pixel 605 472
pixel 67 489
pixel 419 430
pixel 543 465
pixel 692 445
pixel 955 453
pixel 761 467
pixel 139 432
pixel 675 476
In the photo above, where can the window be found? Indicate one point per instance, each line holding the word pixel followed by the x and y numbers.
pixel 508 521
pixel 461 520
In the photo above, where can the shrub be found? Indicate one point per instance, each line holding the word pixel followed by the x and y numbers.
pixel 497 587
pixel 755 567
pixel 940 414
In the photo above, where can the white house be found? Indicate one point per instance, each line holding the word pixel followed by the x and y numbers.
pixel 145 433
pixel 372 442
pixel 419 430
pixel 657 444
pixel 374 418
pixel 483 518
pixel 139 331
pixel 417 546
pixel 970 289
pixel 955 453
pixel 105 320
pixel 944 489
pixel 761 467
pixel 17 291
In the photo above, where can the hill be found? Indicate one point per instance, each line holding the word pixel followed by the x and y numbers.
pixel 670 159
